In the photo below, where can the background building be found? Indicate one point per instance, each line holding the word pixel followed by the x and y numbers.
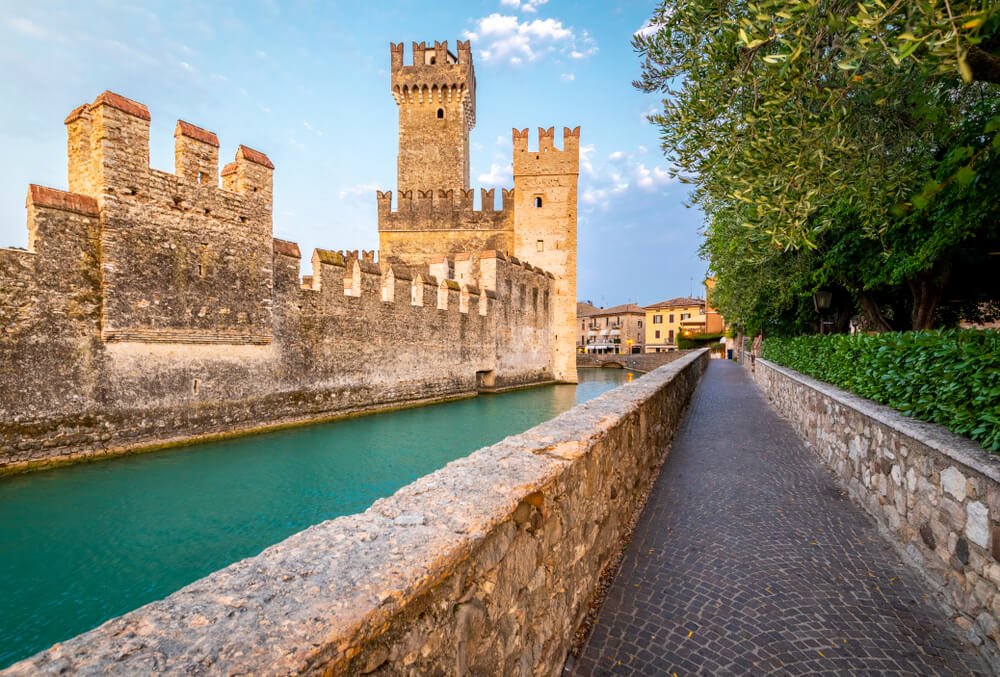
pixel 616 330
pixel 665 321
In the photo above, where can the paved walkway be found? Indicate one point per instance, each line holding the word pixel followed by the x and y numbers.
pixel 748 559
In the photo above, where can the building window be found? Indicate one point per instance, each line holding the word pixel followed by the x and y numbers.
pixel 440 113
pixel 540 246
pixel 670 336
pixel 657 333
pixel 538 201
pixel 640 324
pixel 658 319
pixel 671 318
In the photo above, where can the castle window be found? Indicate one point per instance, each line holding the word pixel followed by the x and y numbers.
pixel 196 386
pixel 433 60
pixel 201 177
pixel 540 246
pixel 538 204
pixel 440 113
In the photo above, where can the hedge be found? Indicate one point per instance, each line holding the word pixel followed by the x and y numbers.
pixel 701 341
pixel 950 377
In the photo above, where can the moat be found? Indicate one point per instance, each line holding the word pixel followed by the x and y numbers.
pixel 85 543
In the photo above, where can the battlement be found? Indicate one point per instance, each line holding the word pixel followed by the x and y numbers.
pixel 438 55
pixel 108 153
pixel 466 283
pixel 435 75
pixel 443 210
pixel 547 159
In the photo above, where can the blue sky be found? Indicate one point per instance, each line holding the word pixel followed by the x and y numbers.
pixel 308 84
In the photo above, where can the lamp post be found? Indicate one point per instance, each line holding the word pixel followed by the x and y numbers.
pixel 822 299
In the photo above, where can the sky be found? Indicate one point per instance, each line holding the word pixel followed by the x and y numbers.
pixel 308 84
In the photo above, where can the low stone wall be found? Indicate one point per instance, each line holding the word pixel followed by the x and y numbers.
pixel 936 493
pixel 486 566
pixel 644 362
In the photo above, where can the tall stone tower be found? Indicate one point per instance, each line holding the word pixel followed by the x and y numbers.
pixel 545 194
pixel 436 96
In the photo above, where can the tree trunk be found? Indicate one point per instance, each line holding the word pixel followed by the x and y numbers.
pixel 872 314
pixel 926 288
pixel 985 66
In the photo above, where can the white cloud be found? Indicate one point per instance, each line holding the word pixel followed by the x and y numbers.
pixel 499 175
pixel 567 77
pixel 507 39
pixel 27 27
pixel 361 192
pixel 651 178
pixel 603 182
pixel 587 159
pixel 648 28
pixel 528 6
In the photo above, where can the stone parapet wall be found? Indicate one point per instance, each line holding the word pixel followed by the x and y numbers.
pixel 937 494
pixel 486 566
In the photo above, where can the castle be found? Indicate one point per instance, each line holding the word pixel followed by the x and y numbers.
pixel 153 307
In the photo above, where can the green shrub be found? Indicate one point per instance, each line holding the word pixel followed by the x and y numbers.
pixel 951 377
pixel 700 341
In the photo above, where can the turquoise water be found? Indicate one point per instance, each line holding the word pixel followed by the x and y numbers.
pixel 85 543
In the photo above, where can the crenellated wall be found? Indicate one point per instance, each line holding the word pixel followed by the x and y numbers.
pixel 153 307
pixel 442 222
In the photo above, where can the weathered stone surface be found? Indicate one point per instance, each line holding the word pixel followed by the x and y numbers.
pixel 467 587
pixel 953 482
pixel 944 509
pixel 977 526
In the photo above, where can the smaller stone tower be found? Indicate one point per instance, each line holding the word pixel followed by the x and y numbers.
pixel 545 195
pixel 436 96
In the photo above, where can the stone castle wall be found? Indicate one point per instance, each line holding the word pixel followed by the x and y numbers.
pixel 936 494
pixel 487 566
pixel 153 307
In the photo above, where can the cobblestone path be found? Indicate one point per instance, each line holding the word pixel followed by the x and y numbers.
pixel 748 559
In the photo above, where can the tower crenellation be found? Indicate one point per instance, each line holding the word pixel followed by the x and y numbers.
pixel 436 97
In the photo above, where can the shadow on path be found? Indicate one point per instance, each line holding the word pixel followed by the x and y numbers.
pixel 748 559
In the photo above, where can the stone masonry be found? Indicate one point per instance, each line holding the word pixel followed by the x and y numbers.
pixel 152 308
pixel 937 495
pixel 486 566
pixel 435 214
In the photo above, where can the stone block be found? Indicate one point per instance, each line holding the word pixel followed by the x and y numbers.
pixel 977 527
pixel 954 482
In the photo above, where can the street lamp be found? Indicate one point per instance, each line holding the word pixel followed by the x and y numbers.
pixel 822 299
